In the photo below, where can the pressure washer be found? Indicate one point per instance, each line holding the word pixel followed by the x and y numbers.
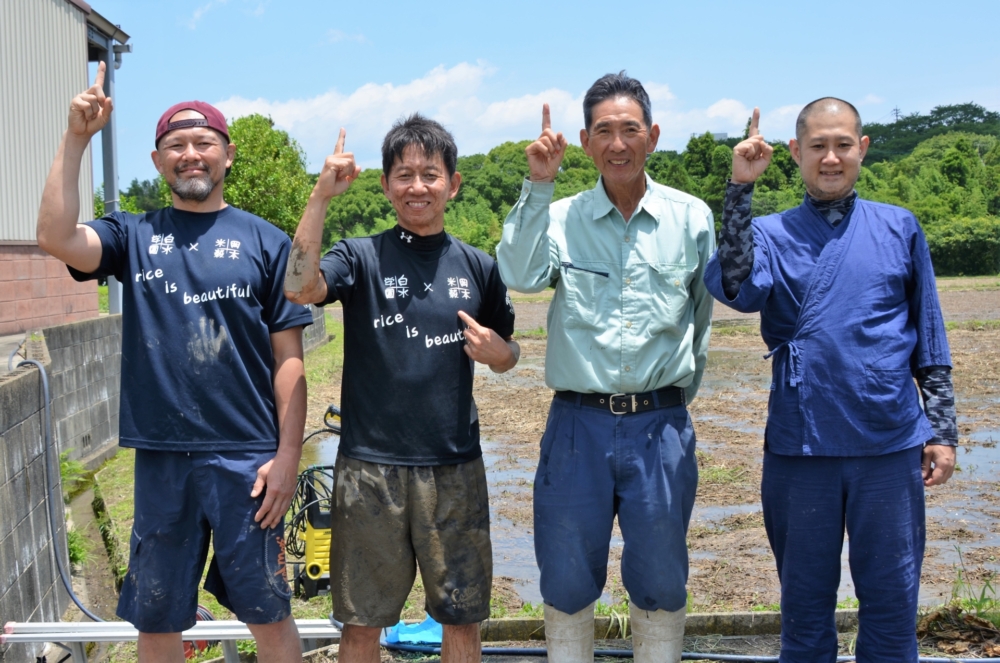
pixel 307 532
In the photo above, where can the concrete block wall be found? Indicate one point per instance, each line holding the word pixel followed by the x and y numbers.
pixel 36 291
pixel 30 588
pixel 85 380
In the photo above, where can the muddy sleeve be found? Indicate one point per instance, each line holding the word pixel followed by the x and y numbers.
pixel 736 238
pixel 939 403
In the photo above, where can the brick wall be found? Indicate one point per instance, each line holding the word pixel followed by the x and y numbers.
pixel 30 589
pixel 36 291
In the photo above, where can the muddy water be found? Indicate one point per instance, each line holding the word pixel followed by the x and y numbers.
pixel 731 565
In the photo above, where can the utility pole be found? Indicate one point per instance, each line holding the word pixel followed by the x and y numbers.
pixel 895 114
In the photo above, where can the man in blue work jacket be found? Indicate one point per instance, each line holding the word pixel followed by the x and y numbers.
pixel 627 341
pixel 849 311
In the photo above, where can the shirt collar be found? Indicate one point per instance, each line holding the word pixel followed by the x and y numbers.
pixel 603 205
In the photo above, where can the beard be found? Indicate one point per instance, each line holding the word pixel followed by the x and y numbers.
pixel 197 189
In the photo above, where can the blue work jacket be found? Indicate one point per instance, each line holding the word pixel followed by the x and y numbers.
pixel 849 313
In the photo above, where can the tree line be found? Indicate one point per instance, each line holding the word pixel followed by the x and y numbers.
pixel 943 166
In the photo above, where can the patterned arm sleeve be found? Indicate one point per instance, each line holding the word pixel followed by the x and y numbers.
pixel 939 403
pixel 736 238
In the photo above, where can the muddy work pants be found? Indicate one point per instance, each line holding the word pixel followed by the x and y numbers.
pixel 595 465
pixel 807 502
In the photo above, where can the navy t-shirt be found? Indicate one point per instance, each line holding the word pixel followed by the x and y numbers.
pixel 201 295
pixel 407 386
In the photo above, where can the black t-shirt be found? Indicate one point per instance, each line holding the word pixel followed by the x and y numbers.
pixel 201 295
pixel 407 388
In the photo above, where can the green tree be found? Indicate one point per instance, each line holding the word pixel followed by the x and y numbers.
pixel 698 155
pixel 359 211
pixel 146 193
pixel 268 177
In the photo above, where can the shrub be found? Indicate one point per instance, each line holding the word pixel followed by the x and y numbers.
pixel 965 246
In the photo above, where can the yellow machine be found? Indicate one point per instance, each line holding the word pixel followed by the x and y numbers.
pixel 307 532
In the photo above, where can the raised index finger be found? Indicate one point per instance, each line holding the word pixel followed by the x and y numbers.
pixel 468 319
pixel 754 122
pixel 546 119
pixel 99 78
pixel 339 149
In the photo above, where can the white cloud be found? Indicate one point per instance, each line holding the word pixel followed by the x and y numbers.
pixel 333 36
pixel 459 98
pixel 257 9
pixel 871 100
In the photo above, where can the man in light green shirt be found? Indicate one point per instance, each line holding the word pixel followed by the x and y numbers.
pixel 628 336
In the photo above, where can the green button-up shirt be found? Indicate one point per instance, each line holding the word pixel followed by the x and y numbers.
pixel 630 311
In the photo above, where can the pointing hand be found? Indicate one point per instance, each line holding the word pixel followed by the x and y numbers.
pixel 90 110
pixel 339 170
pixel 752 156
pixel 545 155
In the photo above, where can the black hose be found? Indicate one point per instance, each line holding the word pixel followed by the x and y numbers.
pixel 49 483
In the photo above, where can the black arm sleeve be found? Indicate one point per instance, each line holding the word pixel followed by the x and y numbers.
pixel 736 239
pixel 939 403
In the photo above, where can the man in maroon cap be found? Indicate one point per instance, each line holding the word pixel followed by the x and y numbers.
pixel 213 393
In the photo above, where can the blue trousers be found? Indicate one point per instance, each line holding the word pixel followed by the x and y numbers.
pixel 807 502
pixel 595 465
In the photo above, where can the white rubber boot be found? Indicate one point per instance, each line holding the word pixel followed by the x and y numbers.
pixel 657 636
pixel 569 638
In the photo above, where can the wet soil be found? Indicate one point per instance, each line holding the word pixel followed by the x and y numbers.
pixel 731 563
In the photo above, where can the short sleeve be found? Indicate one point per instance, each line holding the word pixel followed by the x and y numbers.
pixel 497 311
pixel 278 312
pixel 339 269
pixel 112 230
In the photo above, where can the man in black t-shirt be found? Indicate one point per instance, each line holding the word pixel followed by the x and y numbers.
pixel 420 307
pixel 212 385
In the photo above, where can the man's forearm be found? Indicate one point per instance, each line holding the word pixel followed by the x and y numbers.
pixel 515 356
pixel 290 401
pixel 302 276
pixel 523 254
pixel 736 238
pixel 59 212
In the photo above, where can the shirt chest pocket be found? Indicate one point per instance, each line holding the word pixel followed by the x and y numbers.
pixel 667 290
pixel 586 287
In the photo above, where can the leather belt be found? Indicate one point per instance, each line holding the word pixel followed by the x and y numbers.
pixel 627 403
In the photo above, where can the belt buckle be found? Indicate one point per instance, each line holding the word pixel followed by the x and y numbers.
pixel 611 404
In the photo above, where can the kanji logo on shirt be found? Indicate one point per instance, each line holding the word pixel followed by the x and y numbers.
pixel 458 287
pixel 161 244
pixel 396 286
pixel 227 248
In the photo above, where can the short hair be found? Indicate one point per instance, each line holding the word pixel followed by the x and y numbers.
pixel 825 104
pixel 612 86
pixel 432 138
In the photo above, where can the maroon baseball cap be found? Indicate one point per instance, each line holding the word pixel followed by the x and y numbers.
pixel 214 119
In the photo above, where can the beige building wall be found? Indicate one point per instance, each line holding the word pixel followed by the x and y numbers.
pixel 43 64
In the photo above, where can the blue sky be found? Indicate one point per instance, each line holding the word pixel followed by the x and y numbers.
pixel 484 68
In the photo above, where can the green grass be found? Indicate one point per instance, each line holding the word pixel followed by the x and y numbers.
pixel 102 299
pixel 323 363
pixel 849 603
pixel 735 330
pixel 539 333
pixel 973 325
pixel 76 547
pixel 766 607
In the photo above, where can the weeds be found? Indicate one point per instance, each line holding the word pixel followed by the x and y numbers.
pixel 76 547
pixel 74 476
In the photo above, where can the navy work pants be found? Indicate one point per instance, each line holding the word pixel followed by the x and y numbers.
pixel 595 465
pixel 807 502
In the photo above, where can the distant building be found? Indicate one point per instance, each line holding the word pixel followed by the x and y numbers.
pixel 45 46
